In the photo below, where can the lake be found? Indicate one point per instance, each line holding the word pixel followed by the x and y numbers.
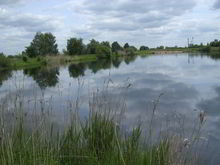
pixel 184 85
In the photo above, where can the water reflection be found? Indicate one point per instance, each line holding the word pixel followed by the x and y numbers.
pixel 188 82
pixel 5 75
pixel 130 59
pixel 116 62
pixel 211 105
pixel 76 70
pixel 95 66
pixel 44 77
pixel 213 55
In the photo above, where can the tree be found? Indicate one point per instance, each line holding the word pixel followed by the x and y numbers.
pixel 2 54
pixel 215 43
pixel 4 61
pixel 126 46
pixel 144 48
pixel 103 51
pixel 160 47
pixel 116 47
pixel 92 46
pixel 130 51
pixel 133 47
pixel 42 44
pixel 75 46
pixel 106 43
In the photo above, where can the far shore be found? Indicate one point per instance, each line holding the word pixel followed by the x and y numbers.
pixel 17 62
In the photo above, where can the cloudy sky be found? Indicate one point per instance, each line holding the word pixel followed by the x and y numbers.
pixel 138 22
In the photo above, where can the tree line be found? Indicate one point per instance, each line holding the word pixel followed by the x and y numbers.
pixel 45 44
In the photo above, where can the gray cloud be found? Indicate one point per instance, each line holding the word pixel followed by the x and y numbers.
pixel 28 22
pixel 148 22
pixel 17 29
pixel 217 4
pixel 132 15
pixel 3 2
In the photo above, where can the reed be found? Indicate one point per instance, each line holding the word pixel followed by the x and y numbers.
pixel 99 139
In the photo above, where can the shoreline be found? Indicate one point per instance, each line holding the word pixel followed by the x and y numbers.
pixel 17 63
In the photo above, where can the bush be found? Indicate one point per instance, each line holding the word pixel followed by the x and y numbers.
pixel 205 49
pixel 130 51
pixel 2 54
pixel 24 58
pixel 4 61
pixel 38 59
pixel 103 51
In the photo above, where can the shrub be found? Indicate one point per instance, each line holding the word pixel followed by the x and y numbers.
pixel 24 58
pixel 130 51
pixel 103 51
pixel 4 61
pixel 38 59
pixel 205 49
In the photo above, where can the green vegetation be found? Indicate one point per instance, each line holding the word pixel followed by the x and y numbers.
pixel 75 46
pixel 33 138
pixel 103 51
pixel 42 44
pixel 4 61
pixel 116 47
pixel 43 50
pixel 144 48
pixel 24 62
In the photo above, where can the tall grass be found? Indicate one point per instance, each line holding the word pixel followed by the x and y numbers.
pixel 99 139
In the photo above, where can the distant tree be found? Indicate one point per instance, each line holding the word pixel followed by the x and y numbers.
pixel 126 46
pixel 103 51
pixel 133 47
pixel 116 47
pixel 2 54
pixel 92 46
pixel 106 43
pixel 160 47
pixel 75 46
pixel 215 43
pixel 42 44
pixel 4 61
pixel 64 52
pixel 130 51
pixel 144 48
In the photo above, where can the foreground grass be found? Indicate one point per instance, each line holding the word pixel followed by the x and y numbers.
pixel 34 139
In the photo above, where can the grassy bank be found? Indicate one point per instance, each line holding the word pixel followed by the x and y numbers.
pixel 14 63
pixel 34 138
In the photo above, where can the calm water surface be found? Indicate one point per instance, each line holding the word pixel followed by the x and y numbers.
pixel 189 84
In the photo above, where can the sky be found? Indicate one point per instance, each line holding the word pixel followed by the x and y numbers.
pixel 139 22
